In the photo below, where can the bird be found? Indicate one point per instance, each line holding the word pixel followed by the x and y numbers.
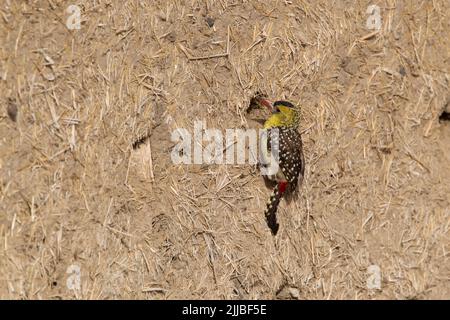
pixel 287 148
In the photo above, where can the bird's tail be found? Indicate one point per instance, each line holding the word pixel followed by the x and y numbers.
pixel 272 206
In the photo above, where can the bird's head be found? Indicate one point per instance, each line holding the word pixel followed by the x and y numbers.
pixel 284 113
pixel 287 111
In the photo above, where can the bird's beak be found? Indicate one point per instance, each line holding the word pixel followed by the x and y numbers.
pixel 266 103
